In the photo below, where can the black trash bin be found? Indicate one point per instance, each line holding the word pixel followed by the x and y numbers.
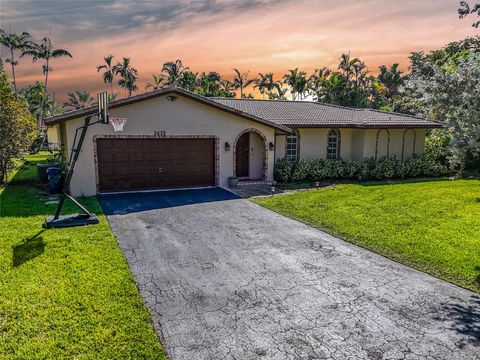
pixel 55 180
pixel 42 171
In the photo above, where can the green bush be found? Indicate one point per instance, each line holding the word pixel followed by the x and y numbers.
pixel 366 169
pixel 300 171
pixel 385 168
pixel 283 170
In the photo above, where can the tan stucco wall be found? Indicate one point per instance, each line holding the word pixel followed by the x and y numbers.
pixel 53 135
pixel 396 142
pixel 356 144
pixel 182 117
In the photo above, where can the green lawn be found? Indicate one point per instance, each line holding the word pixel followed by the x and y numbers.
pixel 433 226
pixel 65 293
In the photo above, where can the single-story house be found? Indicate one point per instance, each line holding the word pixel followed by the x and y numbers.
pixel 174 139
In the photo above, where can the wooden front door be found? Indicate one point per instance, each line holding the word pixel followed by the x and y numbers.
pixel 154 163
pixel 242 156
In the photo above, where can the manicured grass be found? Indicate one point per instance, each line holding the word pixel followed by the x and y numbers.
pixel 65 293
pixel 27 171
pixel 433 226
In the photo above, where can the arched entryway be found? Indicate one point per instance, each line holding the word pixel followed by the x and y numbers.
pixel 250 155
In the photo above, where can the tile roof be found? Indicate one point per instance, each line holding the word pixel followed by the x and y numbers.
pixel 280 114
pixel 314 114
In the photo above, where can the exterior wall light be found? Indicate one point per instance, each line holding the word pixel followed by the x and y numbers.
pixel 271 146
pixel 227 146
pixel 171 98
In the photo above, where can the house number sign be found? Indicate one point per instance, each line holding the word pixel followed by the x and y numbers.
pixel 160 133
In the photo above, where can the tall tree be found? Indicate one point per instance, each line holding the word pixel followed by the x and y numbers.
pixel 79 100
pixel 265 83
pixel 465 9
pixel 108 74
pixel 17 127
pixel 209 83
pixel 278 93
pixel 297 81
pixel 34 94
pixel 14 42
pixel 227 88
pixel 188 81
pixel 128 76
pixel 174 71
pixel 346 65
pixel 157 83
pixel 241 81
pixel 391 79
pixel 46 52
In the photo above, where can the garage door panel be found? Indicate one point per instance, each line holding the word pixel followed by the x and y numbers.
pixel 136 164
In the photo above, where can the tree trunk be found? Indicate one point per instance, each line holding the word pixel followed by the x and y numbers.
pixel 44 94
pixel 13 70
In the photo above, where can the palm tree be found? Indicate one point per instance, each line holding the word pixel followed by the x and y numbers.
pixel 112 97
pixel 210 83
pixel 317 80
pixel 34 94
pixel 227 88
pixel 79 100
pixel 332 89
pixel 346 65
pixel 265 83
pixel 157 83
pixel 297 81
pixel 44 51
pixel 241 81
pixel 14 42
pixel 174 70
pixel 128 74
pixel 188 81
pixel 391 79
pixel 109 74
pixel 279 94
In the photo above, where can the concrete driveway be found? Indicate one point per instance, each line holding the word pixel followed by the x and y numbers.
pixel 226 279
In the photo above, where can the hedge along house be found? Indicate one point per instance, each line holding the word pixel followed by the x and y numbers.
pixel 176 139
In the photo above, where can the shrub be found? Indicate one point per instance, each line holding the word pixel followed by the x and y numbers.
pixel 316 170
pixel 300 171
pixel 352 169
pixel 386 168
pixel 366 169
pixel 283 170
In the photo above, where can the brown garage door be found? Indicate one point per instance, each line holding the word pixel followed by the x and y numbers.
pixel 152 163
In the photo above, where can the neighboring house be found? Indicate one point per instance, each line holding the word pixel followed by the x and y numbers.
pixel 174 138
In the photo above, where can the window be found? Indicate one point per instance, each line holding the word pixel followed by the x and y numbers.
pixel 333 144
pixel 291 149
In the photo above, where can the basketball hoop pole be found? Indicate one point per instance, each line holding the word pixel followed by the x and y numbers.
pixel 86 217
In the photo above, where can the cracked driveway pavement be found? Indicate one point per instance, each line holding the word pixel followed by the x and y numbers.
pixel 227 279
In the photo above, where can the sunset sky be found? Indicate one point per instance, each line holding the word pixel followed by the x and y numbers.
pixel 255 35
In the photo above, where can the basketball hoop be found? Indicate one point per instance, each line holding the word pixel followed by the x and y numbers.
pixel 117 123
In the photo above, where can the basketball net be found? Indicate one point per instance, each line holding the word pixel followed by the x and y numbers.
pixel 117 123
